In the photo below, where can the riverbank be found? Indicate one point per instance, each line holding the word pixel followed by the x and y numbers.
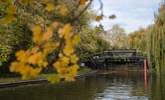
pixel 15 82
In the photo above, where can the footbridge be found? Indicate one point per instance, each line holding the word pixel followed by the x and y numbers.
pixel 110 58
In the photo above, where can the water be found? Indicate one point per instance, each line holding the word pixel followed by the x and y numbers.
pixel 121 86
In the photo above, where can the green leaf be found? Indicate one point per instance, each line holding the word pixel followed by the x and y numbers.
pixel 54 78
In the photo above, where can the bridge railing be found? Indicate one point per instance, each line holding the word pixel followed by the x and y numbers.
pixel 119 53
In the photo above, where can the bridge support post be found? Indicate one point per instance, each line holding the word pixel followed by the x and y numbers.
pixel 145 72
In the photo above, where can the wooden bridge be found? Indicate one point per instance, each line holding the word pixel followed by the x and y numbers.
pixel 108 59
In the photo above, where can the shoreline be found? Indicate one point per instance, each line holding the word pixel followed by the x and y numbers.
pixel 38 81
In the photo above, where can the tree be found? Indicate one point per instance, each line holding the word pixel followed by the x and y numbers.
pixel 151 42
pixel 138 40
pixel 52 26
pixel 26 13
pixel 117 37
pixel 91 42
pixel 156 41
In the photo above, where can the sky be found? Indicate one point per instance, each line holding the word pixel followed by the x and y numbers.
pixel 131 14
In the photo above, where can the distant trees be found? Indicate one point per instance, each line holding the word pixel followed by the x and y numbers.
pixel 117 37
pixel 91 42
pixel 156 41
pixel 138 40
pixel 151 41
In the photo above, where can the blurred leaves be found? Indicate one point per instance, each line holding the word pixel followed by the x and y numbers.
pixel 83 2
pixel 46 27
pixel 5 51
pixel 99 18
pixel 112 16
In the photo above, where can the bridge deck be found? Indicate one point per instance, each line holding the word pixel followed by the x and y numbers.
pixel 119 56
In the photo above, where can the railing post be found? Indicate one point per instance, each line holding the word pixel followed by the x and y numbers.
pixel 145 72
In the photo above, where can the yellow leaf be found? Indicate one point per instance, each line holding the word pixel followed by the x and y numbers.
pixel 62 71
pixel 63 10
pixel 68 50
pixel 76 39
pixel 14 66
pixel 54 78
pixel 37 35
pixel 74 58
pixel 11 10
pixel 69 78
pixel 57 45
pixel 98 18
pixel 45 64
pixel 72 72
pixel 22 55
pixel 49 47
pixel 57 64
pixel 25 70
pixel 54 25
pixel 60 33
pixel 82 2
pixel 47 35
pixel 34 49
pixel 35 58
pixel 66 30
pixel 36 29
pixel 35 72
pixel 64 60
pixel 49 6
pixel 37 38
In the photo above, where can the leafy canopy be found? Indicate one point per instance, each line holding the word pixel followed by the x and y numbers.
pixel 30 63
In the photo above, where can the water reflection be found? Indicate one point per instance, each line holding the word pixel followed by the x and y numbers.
pixel 114 86
pixel 128 86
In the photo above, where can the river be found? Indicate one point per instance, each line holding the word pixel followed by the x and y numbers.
pixel 107 86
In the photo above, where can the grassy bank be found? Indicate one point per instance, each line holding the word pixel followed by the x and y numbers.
pixel 42 76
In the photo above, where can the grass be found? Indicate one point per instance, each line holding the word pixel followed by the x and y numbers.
pixel 42 76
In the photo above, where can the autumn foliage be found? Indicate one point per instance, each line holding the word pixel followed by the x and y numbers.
pixel 30 63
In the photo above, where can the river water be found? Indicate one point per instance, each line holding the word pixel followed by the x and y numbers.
pixel 114 86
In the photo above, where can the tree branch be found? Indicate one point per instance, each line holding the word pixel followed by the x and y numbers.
pixel 79 15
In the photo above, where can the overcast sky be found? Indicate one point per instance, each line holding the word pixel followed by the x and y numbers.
pixel 131 14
